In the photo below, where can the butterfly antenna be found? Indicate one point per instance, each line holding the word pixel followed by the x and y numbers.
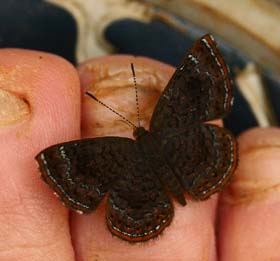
pixel 111 109
pixel 136 93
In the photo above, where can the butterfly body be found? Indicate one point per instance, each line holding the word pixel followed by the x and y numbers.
pixel 149 144
pixel 178 154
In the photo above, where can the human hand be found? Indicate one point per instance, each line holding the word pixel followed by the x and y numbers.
pixel 40 105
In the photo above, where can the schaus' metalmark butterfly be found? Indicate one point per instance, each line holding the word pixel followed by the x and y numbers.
pixel 180 153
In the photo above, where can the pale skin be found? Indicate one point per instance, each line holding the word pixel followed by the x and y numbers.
pixel 42 106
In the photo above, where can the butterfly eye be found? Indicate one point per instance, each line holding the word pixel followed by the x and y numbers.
pixel 138 132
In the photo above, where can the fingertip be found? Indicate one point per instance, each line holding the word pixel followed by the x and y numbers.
pixel 258 164
pixel 110 79
pixel 249 209
pixel 41 93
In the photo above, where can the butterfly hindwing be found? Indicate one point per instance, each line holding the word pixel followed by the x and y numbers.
pixel 199 90
pixel 205 158
pixel 138 208
pixel 80 172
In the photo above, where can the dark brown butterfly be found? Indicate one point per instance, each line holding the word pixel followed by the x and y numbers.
pixel 180 153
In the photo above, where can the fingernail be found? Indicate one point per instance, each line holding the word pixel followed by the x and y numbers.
pixel 13 109
pixel 257 177
pixel 115 71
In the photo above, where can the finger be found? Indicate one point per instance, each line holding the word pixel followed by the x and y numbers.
pixel 39 106
pixel 249 211
pixel 191 233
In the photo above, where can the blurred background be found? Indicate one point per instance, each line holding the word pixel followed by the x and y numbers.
pixel 247 33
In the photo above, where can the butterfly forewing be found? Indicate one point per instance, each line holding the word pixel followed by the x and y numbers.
pixel 80 172
pixel 199 90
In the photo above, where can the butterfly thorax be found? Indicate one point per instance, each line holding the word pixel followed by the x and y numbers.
pixel 147 144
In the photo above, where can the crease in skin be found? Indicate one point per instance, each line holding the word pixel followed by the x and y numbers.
pixel 245 190
pixel 260 146
pixel 13 109
pixel 233 198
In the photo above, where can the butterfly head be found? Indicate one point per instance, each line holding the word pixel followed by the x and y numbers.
pixel 138 132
